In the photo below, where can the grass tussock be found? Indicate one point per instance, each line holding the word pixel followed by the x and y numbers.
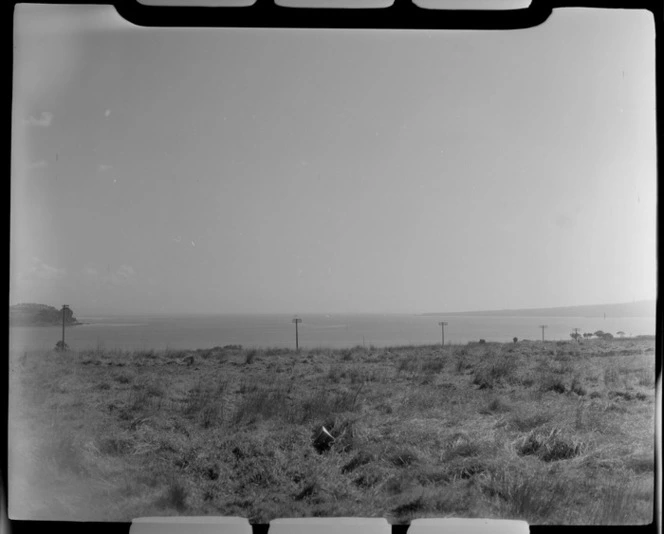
pixel 496 369
pixel 550 445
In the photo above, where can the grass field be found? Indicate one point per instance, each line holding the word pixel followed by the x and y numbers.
pixel 553 433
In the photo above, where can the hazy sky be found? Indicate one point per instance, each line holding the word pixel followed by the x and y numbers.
pixel 208 170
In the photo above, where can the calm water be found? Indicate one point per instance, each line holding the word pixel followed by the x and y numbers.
pixel 338 331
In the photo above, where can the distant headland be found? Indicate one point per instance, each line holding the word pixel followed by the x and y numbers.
pixel 31 314
pixel 641 308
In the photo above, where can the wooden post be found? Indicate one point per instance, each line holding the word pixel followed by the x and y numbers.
pixel 442 325
pixel 543 326
pixel 297 320
pixel 64 307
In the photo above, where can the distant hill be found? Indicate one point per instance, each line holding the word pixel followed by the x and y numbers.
pixel 31 314
pixel 641 308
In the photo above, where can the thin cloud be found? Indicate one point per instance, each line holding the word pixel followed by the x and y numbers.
pixel 104 168
pixel 43 121
pixel 124 276
pixel 39 270
pixel 90 271
pixel 37 164
pixel 107 113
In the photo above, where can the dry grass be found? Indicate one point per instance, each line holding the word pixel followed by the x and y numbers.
pixel 550 433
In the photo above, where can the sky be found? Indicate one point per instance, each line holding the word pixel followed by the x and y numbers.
pixel 331 171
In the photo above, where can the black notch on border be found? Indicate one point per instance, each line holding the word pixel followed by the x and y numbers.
pixel 402 14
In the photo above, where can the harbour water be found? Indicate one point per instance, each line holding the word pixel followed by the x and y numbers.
pixel 334 331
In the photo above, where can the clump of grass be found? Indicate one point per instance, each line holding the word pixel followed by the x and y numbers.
pixel 367 479
pixel 433 365
pixel 626 395
pixel 577 387
pixel 611 376
pixel 564 368
pixel 310 489
pixel 175 496
pixel 324 403
pixel 250 356
pixel 497 369
pixel 549 445
pixel 622 504
pixel 361 458
pixel 411 507
pixel 461 445
pixel 262 403
pixel 562 356
pixel 123 378
pixel 357 376
pixel 65 453
pixel 204 401
pixel 551 382
pixel 335 374
pixel 645 378
pixel 461 362
pixel 495 405
pixel 526 496
pixel 116 446
pixel 483 378
pixel 139 398
pixel 463 450
pixel 644 463
pixel 211 415
pixel 249 387
pixel 402 456
pixel 408 364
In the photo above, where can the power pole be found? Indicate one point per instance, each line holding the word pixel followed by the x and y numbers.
pixel 297 320
pixel 543 326
pixel 442 327
pixel 64 307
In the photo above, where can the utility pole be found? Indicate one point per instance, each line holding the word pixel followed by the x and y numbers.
pixel 543 326
pixel 442 327
pixel 64 307
pixel 297 320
